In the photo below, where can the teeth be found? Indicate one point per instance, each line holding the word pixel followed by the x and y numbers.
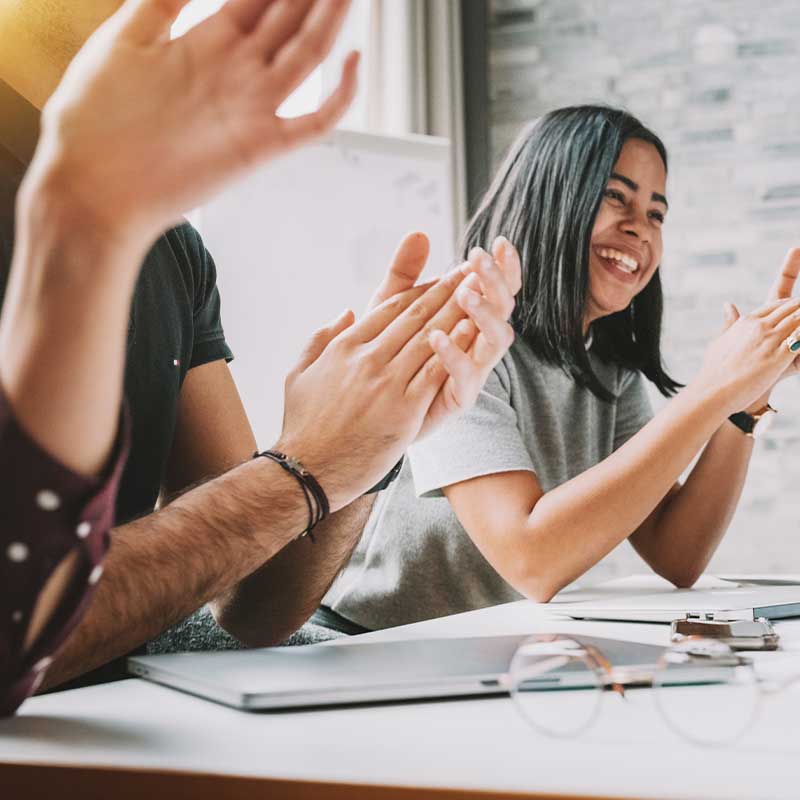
pixel 624 262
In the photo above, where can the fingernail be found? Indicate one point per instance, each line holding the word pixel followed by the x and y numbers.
pixel 436 338
pixel 476 253
pixel 464 327
pixel 469 298
pixel 501 242
pixel 472 281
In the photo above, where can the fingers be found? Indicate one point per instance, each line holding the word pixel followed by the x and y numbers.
pixel 278 24
pixel 768 308
pixel 490 313
pixel 298 130
pixel 149 21
pixel 731 315
pixel 462 336
pixel 446 378
pixel 508 258
pixel 789 323
pixel 785 309
pixel 496 335
pixel 465 377
pixel 246 13
pixel 401 330
pixel 379 319
pixel 306 51
pixel 417 350
pixel 787 277
pixel 322 338
pixel 406 267
pixel 493 281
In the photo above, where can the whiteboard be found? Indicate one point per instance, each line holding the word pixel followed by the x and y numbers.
pixel 312 234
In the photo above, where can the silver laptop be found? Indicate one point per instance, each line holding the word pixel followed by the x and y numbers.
pixel 321 675
pixel 726 603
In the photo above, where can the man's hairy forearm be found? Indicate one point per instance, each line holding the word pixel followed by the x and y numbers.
pixel 163 567
pixel 269 605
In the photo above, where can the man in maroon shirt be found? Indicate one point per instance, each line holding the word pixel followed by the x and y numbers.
pixel 87 212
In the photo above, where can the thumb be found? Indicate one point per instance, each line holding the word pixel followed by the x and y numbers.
pixel 148 21
pixel 406 267
pixel 322 338
pixel 731 315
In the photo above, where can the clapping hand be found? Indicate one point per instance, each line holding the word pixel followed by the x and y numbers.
pixel 471 334
pixel 781 290
pixel 364 391
pixel 143 127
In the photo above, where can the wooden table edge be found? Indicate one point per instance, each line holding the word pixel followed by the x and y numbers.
pixel 45 781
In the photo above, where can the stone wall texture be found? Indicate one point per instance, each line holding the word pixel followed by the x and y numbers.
pixel 719 81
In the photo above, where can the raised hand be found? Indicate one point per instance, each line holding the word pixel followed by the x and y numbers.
pixel 751 355
pixel 781 289
pixel 465 341
pixel 363 392
pixel 143 128
pixel 489 305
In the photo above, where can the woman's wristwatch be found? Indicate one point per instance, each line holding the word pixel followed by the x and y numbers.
pixel 389 479
pixel 755 424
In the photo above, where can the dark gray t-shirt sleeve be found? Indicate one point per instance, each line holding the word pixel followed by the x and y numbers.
pixel 209 335
pixel 634 409
pixel 483 440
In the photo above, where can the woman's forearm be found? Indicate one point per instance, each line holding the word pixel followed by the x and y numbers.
pixel 575 525
pixel 694 519
pixel 63 329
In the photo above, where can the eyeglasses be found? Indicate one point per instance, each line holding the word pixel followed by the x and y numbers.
pixel 705 692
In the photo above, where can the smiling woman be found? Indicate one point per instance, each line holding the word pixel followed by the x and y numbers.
pixel 562 459
pixel 591 167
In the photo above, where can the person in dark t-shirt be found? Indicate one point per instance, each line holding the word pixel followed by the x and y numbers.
pixel 351 409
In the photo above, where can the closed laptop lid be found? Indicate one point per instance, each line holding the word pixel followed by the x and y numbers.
pixel 312 675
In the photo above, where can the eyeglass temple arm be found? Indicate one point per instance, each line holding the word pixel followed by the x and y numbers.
pixel 607 668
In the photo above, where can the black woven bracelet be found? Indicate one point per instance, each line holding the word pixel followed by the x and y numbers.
pixel 320 508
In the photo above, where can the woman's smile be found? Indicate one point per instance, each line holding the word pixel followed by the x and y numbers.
pixel 620 264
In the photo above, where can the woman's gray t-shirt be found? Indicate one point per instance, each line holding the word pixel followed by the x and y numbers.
pixel 415 561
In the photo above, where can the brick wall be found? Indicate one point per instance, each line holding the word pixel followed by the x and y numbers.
pixel 718 81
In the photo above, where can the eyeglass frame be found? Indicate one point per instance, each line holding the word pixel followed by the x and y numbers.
pixel 617 678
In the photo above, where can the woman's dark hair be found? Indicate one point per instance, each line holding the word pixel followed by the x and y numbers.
pixel 544 200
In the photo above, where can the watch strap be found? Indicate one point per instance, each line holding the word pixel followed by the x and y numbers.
pixel 747 422
pixel 389 479
pixel 744 422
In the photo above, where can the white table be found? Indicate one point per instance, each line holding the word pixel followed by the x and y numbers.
pixel 466 745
